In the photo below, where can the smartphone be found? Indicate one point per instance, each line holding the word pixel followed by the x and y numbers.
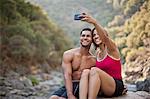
pixel 78 17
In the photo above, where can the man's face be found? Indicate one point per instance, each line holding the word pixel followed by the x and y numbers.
pixel 86 38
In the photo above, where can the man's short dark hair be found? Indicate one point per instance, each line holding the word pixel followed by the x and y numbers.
pixel 85 29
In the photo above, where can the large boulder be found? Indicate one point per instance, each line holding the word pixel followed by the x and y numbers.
pixel 132 95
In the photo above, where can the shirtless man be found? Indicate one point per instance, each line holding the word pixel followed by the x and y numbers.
pixel 74 62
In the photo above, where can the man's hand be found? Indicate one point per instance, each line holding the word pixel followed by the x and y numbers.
pixel 76 75
pixel 71 97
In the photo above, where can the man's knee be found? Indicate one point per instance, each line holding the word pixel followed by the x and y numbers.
pixel 85 73
pixel 54 97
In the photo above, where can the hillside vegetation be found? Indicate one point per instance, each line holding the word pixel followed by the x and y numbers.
pixel 131 31
pixel 63 11
pixel 28 37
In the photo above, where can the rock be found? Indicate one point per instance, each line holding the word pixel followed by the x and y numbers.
pixel 17 84
pixel 14 91
pixel 27 82
pixel 21 88
pixel 37 97
pixel 2 93
pixel 143 85
pixel 46 76
pixel 2 81
pixel 7 83
pixel 15 97
pixel 12 74
pixel 131 87
pixel 4 90
pixel 131 95
pixel 143 94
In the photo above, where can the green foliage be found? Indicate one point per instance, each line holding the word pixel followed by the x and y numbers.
pixel 42 47
pixel 22 29
pixel 134 34
pixel 34 80
pixel 121 42
pixel 8 12
pixel 28 36
pixel 131 6
pixel 124 51
pixel 20 48
pixel 117 21
pixel 131 55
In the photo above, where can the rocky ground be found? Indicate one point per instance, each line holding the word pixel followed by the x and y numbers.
pixel 14 86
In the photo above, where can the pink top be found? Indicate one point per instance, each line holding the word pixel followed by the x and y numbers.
pixel 110 65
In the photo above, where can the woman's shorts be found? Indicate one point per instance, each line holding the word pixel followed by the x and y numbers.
pixel 118 91
pixel 119 87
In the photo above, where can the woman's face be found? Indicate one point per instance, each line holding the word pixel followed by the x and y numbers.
pixel 96 38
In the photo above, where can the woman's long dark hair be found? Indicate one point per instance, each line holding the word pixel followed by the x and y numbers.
pixel 95 45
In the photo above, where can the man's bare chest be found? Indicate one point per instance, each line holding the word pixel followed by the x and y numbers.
pixel 80 63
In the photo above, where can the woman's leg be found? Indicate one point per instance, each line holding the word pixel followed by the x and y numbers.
pixel 94 84
pixel 83 87
pixel 100 80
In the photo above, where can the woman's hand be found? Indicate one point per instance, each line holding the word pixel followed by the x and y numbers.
pixel 88 18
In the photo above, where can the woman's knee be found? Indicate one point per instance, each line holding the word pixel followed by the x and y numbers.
pixel 94 70
pixel 54 97
pixel 85 73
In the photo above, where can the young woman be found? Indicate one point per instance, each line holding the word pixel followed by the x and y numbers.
pixel 106 77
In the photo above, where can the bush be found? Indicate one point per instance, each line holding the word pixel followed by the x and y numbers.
pixel 34 80
pixel 20 48
pixel 28 36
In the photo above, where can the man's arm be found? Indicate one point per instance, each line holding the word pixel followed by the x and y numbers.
pixel 67 69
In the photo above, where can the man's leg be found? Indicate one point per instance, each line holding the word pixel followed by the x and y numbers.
pixel 56 97
pixel 59 94
pixel 83 87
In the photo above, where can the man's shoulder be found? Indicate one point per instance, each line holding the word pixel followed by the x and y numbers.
pixel 71 51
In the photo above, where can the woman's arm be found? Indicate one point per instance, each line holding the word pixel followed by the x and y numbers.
pixel 101 32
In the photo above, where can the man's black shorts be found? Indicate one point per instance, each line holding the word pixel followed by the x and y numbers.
pixel 62 92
